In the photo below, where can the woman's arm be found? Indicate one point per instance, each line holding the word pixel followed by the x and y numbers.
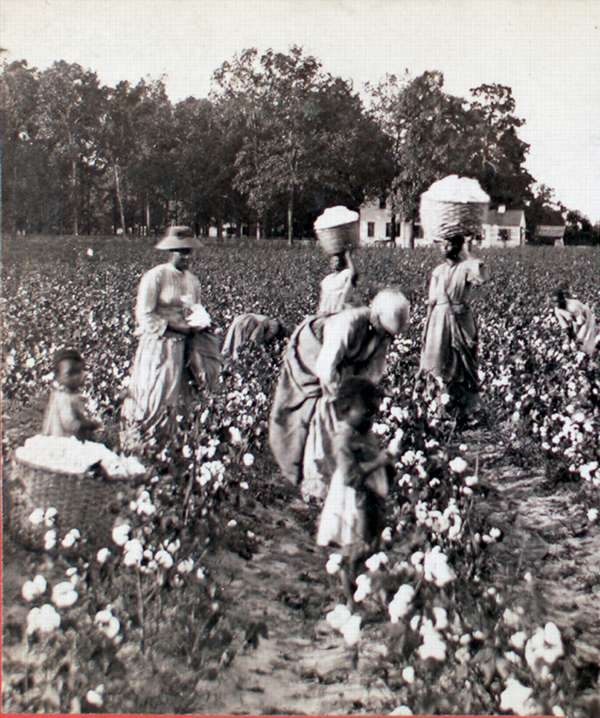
pixel 351 267
pixel 147 299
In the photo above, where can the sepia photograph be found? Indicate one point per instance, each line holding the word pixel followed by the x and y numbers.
pixel 300 373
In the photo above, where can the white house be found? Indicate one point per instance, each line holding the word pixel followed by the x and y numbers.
pixel 376 225
pixel 503 228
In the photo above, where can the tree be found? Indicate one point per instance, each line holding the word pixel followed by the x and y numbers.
pixel 70 102
pixel 18 130
pixel 430 132
pixel 543 208
pixel 300 131
pixel 499 160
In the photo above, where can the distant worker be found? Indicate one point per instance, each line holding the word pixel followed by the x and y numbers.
pixel 576 319
pixel 251 329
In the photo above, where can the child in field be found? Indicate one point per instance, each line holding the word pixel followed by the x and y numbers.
pixel 353 513
pixel 251 328
pixel 65 413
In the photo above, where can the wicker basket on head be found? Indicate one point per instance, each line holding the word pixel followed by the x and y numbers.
pixel 443 215
pixel 87 501
pixel 335 240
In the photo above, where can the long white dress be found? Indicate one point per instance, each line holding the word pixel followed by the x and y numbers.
pixel 156 383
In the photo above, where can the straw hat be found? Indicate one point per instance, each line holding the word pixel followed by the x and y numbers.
pixel 180 237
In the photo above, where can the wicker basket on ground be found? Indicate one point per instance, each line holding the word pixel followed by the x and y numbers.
pixel 89 502
pixel 453 205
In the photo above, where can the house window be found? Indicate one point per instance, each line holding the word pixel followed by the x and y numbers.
pixel 388 229
pixel 382 203
pixel 370 229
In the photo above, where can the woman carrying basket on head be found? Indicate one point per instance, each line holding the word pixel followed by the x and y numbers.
pixel 451 209
pixel 337 231
pixel 175 344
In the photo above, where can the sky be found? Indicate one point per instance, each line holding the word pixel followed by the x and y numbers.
pixel 547 51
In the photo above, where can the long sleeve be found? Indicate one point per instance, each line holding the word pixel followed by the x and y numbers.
pixel 146 316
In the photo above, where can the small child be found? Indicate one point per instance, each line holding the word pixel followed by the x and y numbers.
pixel 353 512
pixel 65 413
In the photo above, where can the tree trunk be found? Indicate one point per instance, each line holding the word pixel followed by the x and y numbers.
pixel 407 234
pixel 74 197
pixel 13 208
pixel 258 229
pixel 290 218
pixel 147 215
pixel 219 229
pixel 119 194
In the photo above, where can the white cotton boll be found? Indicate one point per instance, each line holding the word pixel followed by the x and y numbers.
pixel 133 553
pixel 433 645
pixel 102 555
pixel 511 618
pixel 50 539
pixel 185 566
pixel 94 698
pixel 458 465
pixel 199 318
pixel 517 640
pixel 592 515
pixel 28 591
pixel 401 602
pixel 374 562
pixel 363 588
pixel 557 711
pixel 437 569
pixel 517 698
pixel 386 535
pixel 71 538
pixel 164 559
pixel 338 617
pixel 471 481
pixel 333 564
pixel 64 595
pixel 351 630
pixel 36 517
pixel 235 435
pixel 120 534
pixel 417 558
pixel 248 459
pixel 401 711
pixel 107 623
pixel 441 618
pixel 408 675
pixel 44 619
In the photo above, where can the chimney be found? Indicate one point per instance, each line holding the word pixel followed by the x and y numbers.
pixel 501 208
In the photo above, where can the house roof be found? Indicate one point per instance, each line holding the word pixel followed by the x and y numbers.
pixel 509 218
pixel 550 230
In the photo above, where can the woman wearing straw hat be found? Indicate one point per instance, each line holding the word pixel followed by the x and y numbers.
pixel 170 342
pixel 449 351
pixel 322 351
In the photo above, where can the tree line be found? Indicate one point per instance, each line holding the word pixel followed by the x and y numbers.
pixel 277 140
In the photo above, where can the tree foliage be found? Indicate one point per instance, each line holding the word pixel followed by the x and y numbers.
pixel 278 139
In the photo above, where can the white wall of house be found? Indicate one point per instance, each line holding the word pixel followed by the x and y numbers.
pixel 374 223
